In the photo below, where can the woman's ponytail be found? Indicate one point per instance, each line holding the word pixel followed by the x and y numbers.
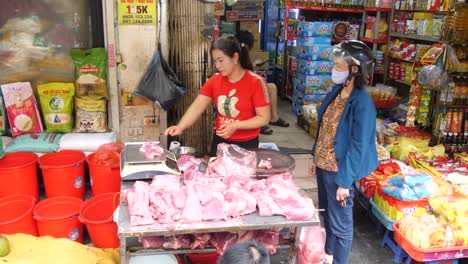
pixel 244 58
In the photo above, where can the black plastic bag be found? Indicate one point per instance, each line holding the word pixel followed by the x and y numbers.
pixel 160 83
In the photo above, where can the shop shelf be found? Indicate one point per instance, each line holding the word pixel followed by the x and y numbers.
pixel 377 41
pixel 402 82
pixel 429 254
pixel 335 40
pixel 328 9
pixel 392 58
pixel 415 37
pixel 421 10
pixel 378 9
pixel 463 75
pixel 385 103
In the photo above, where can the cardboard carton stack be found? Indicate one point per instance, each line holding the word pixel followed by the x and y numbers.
pixel 313 79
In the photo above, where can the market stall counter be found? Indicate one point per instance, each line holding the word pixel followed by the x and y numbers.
pixel 129 234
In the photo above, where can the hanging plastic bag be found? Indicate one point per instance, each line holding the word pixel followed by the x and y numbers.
pixel 108 154
pixel 312 245
pixel 160 83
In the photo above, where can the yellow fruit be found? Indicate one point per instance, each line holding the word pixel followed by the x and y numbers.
pixel 4 246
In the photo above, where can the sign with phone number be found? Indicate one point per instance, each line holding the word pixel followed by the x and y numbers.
pixel 137 12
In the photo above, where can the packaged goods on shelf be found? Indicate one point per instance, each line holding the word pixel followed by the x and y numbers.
pixel 315 52
pixel 314 81
pixel 382 28
pixel 396 209
pixel 57 106
pixel 21 108
pixel 314 67
pixel 314 29
pixel 91 114
pixel 340 29
pixel 312 41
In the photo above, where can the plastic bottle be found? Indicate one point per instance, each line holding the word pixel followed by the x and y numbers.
pixel 454 124
pixel 441 123
pixel 449 120
pixel 460 121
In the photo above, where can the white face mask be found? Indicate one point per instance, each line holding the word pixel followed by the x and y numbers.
pixel 339 77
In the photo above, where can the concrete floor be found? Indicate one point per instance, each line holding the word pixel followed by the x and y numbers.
pixel 366 245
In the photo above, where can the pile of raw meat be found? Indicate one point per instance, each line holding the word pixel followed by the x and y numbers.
pixel 168 201
pixel 151 150
pixel 222 190
pixel 221 240
pixel 231 160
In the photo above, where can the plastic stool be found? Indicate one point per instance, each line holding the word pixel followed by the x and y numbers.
pixel 398 252
pixel 379 226
pixel 452 261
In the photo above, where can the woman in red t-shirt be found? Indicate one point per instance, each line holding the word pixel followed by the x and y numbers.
pixel 240 96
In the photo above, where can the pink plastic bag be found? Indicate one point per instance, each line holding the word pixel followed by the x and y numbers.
pixel 312 245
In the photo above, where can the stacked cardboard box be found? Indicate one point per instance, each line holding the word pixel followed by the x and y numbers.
pixel 313 79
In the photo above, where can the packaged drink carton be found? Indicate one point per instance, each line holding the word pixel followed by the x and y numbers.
pixel 314 53
pixel 315 29
pixel 314 82
pixel 312 41
pixel 314 67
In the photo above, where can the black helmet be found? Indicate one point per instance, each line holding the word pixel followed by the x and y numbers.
pixel 354 52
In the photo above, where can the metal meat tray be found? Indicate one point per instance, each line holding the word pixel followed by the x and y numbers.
pixel 280 162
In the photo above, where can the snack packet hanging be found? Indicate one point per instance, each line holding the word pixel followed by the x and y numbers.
pixel 57 106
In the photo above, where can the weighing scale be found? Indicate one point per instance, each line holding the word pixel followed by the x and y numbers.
pixel 135 166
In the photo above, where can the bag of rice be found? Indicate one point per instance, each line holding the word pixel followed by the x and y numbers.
pixel 57 106
pixel 41 143
pixel 21 108
pixel 91 114
pixel 90 71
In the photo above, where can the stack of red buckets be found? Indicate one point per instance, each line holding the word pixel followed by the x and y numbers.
pixel 62 213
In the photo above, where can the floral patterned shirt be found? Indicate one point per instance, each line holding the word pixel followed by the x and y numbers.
pixel 324 151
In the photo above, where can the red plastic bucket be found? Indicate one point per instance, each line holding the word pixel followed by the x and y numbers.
pixel 207 258
pixel 104 179
pixel 97 214
pixel 16 215
pixel 18 175
pixel 63 173
pixel 58 217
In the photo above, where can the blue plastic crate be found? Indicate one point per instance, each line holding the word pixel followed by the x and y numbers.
pixel 387 222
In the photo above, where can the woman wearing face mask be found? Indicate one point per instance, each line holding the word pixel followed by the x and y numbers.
pixel 345 149
pixel 240 96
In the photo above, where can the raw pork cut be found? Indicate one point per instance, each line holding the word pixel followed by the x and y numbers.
pixel 151 241
pixel 200 240
pixel 238 201
pixel 151 150
pixel 166 182
pixel 190 165
pixel 138 204
pixel 214 209
pixel 265 164
pixel 222 240
pixel 269 238
pixel 193 209
pixel 176 242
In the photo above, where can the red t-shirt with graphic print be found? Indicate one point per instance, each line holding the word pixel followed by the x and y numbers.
pixel 237 101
